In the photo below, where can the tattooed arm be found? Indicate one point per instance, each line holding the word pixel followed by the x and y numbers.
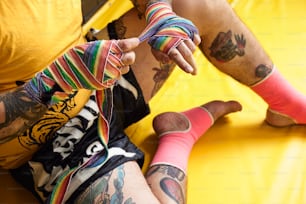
pixel 18 112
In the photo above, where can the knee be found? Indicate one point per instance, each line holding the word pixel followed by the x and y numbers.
pixel 203 13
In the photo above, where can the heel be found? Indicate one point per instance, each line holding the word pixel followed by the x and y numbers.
pixel 279 120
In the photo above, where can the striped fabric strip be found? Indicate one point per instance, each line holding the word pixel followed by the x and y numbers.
pixel 92 66
pixel 165 30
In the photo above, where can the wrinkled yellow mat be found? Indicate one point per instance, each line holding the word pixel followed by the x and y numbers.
pixel 240 160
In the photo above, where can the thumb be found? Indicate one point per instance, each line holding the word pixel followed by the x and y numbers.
pixel 128 44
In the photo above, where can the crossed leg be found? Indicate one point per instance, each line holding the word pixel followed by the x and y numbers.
pixel 232 48
pixel 166 178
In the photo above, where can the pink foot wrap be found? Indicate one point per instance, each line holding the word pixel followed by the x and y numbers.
pixel 282 97
pixel 175 146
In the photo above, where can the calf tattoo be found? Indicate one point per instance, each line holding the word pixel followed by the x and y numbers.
pixel 173 189
pixel 171 182
pixel 224 49
pixel 262 71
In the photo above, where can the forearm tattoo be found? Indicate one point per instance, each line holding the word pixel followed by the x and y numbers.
pixel 171 181
pixel 224 49
pixel 18 113
pixel 161 75
pixel 119 29
pixel 139 7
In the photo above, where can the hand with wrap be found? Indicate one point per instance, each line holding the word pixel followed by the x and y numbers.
pixel 93 66
pixel 170 36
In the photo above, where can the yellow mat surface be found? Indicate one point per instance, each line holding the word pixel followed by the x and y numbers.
pixel 240 160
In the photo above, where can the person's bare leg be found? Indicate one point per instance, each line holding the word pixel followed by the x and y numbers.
pixel 178 132
pixel 125 184
pixel 165 181
pixel 232 48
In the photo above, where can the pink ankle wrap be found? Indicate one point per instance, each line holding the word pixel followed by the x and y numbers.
pixel 175 146
pixel 281 97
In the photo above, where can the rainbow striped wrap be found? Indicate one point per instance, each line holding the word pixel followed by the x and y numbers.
pixel 93 66
pixel 165 30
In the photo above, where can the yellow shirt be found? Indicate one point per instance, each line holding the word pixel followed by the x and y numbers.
pixel 32 34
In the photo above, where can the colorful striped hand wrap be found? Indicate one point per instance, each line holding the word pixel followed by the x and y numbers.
pixel 165 30
pixel 96 66
pixel 93 66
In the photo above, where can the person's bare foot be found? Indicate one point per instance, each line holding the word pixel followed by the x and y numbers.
pixel 173 121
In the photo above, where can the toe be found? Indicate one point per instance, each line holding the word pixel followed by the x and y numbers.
pixel 221 108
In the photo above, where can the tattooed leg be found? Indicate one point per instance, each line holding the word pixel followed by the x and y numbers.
pixel 233 49
pixel 168 183
pixel 226 42
pixel 178 132
pixel 125 184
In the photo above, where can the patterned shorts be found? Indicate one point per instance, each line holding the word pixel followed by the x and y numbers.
pixel 78 140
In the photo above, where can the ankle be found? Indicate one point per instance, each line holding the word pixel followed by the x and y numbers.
pixel 287 106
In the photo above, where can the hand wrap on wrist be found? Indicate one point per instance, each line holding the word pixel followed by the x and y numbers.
pixel 93 66
pixel 165 30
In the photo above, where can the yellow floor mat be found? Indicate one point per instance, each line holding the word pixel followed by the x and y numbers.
pixel 240 159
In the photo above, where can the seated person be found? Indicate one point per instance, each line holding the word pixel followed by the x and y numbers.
pixel 226 42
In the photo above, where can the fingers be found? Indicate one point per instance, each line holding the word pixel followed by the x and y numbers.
pixel 160 56
pixel 125 69
pixel 182 55
pixel 197 39
pixel 128 44
pixel 127 55
pixel 128 58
